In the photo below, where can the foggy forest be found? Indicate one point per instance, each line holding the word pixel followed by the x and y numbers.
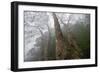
pixel 56 36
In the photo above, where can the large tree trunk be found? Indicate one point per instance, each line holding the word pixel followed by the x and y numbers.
pixel 66 47
pixel 60 43
pixel 72 51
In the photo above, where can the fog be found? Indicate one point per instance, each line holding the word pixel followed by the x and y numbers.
pixel 40 34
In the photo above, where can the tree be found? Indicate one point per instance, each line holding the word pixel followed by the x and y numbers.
pixel 56 35
pixel 73 50
pixel 39 20
pixel 60 43
pixel 81 30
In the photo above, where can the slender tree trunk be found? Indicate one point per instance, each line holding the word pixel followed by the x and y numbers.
pixel 50 43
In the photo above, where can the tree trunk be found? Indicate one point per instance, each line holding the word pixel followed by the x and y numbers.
pixel 60 43
pixel 51 45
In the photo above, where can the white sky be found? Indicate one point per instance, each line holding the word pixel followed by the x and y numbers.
pixel 51 21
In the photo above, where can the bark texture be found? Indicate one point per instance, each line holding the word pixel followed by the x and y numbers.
pixel 60 43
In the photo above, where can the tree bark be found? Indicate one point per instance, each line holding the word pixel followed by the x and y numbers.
pixel 73 50
pixel 60 43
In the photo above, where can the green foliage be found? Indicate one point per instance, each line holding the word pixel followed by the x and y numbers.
pixel 82 34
